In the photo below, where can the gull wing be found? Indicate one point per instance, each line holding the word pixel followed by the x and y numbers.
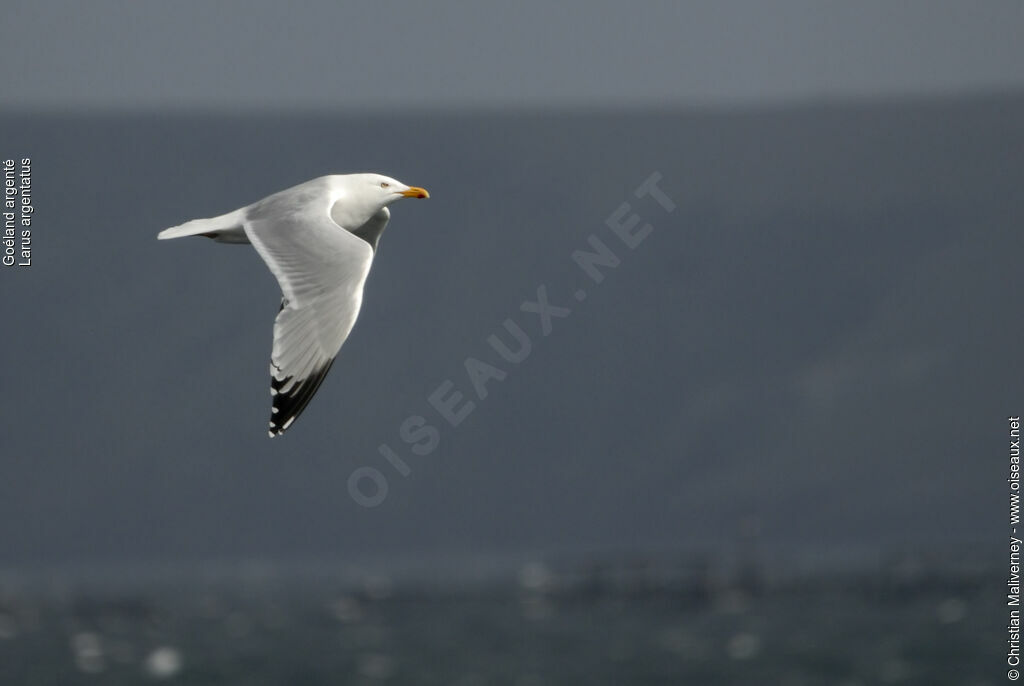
pixel 321 268
pixel 373 228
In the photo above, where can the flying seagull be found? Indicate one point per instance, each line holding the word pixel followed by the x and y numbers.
pixel 318 239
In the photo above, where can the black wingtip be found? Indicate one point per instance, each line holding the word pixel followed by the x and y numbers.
pixel 288 405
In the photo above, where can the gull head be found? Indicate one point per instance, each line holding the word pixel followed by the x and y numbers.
pixel 387 190
pixel 357 198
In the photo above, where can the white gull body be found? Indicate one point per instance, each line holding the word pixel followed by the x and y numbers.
pixel 318 239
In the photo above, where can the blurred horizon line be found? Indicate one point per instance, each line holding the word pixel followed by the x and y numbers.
pixel 775 562
pixel 725 106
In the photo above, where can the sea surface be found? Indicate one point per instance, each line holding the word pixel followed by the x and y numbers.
pixel 601 623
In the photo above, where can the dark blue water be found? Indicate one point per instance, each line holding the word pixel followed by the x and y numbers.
pixel 604 625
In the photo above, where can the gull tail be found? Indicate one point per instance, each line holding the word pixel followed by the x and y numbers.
pixel 226 228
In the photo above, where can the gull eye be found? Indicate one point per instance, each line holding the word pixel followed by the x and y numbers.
pixel 384 184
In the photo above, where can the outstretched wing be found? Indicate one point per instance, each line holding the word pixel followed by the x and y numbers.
pixel 321 268
pixel 373 228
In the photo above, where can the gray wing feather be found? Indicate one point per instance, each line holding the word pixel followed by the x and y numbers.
pixel 373 228
pixel 321 269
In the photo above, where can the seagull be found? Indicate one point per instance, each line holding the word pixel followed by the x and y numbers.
pixel 318 239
